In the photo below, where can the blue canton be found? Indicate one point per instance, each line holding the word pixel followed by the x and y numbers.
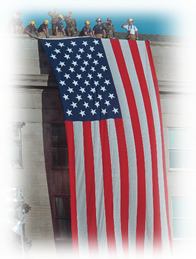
pixel 84 79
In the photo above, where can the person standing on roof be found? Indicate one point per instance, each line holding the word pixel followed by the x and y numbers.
pixel 19 24
pixel 59 26
pixel 98 29
pixel 43 29
pixel 71 26
pixel 55 17
pixel 86 30
pixel 110 30
pixel 131 30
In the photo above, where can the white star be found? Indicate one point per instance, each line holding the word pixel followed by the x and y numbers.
pixel 89 97
pixel 97 104
pixel 96 83
pixel 74 105
pixel 81 50
pixel 53 56
pixel 58 69
pixel 99 75
pixel 75 82
pixel 69 50
pixel 57 51
pixel 61 44
pixel 79 76
pixel 67 76
pixel 100 55
pixel 107 103
pixel 93 90
pixel 62 64
pixel 84 43
pixel 86 82
pixel 82 89
pixel 86 105
pixel 66 97
pixel 69 89
pixel 96 42
pixel 85 63
pixel 115 110
pixel 92 49
pixel 103 111
pixel 90 76
pixel 82 113
pixel 78 97
pixel 73 43
pixel 107 82
pixel 111 96
pixel 62 82
pixel 78 56
pixel 48 44
pixel 99 97
pixel 74 63
pixel 69 112
pixel 89 56
pixel 72 69
pixel 82 69
pixel 67 56
pixel 93 112
pixel 104 68
pixel 103 88
pixel 93 69
pixel 95 62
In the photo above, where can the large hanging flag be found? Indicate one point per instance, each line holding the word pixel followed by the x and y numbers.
pixel 110 98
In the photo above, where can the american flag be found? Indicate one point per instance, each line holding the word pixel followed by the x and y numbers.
pixel 112 112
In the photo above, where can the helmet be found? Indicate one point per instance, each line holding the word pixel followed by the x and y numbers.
pixel 87 22
pixel 46 22
pixel 61 16
pixel 32 23
pixel 130 20
pixel 98 20
pixel 15 16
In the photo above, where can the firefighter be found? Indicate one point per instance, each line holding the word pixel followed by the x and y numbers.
pixel 43 29
pixel 59 26
pixel 31 28
pixel 86 30
pixel 132 32
pixel 98 29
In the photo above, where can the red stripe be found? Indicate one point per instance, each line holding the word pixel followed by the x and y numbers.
pixel 107 183
pixel 71 153
pixel 141 187
pixel 124 175
pixel 151 127
pixel 90 187
pixel 162 139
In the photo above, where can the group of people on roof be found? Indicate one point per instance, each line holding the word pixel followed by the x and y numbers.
pixel 100 30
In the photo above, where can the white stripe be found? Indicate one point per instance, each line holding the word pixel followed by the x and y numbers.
pixel 130 143
pixel 99 189
pixel 149 80
pixel 114 156
pixel 146 144
pixel 80 188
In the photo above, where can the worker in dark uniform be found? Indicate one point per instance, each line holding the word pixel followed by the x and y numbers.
pixel 55 17
pixel 86 30
pixel 59 26
pixel 43 29
pixel 31 28
pixel 98 29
